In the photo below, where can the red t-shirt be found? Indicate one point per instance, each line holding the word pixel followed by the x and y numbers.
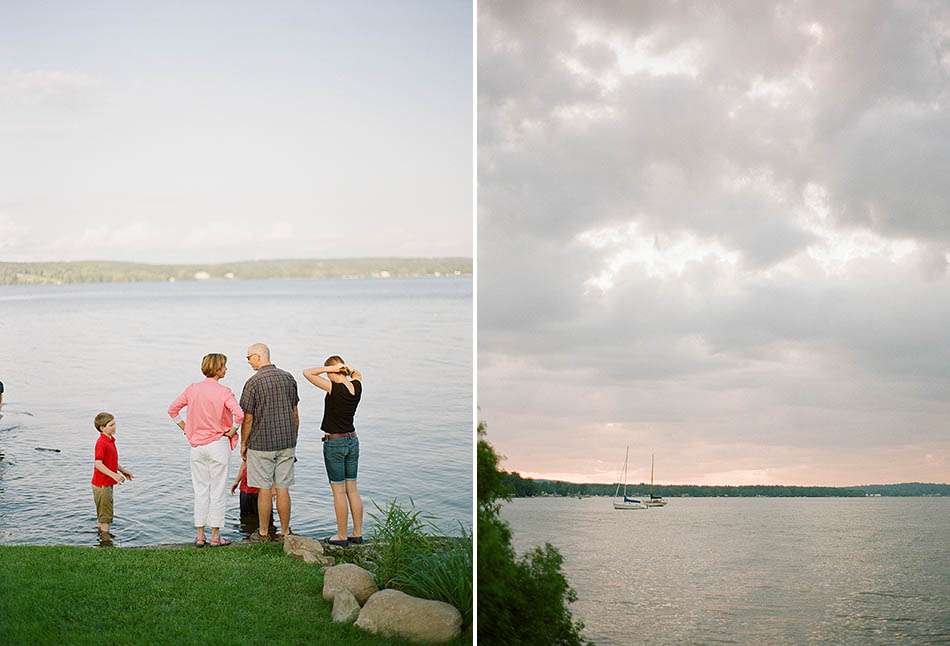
pixel 244 487
pixel 105 451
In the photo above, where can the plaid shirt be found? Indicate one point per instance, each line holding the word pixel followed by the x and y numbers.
pixel 271 396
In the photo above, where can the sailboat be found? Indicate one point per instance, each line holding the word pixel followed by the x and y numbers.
pixel 626 503
pixel 654 501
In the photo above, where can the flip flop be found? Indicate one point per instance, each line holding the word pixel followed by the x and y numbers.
pixel 221 542
pixel 200 543
pixel 356 540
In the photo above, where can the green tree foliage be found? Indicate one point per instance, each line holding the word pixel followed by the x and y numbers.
pixel 520 600
pixel 528 487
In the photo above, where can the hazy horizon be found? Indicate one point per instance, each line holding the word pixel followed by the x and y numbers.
pixel 718 232
pixel 724 484
pixel 231 261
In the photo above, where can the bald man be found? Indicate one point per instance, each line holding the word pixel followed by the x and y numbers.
pixel 269 436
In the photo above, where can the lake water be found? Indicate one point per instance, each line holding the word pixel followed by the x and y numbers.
pixel 751 570
pixel 68 352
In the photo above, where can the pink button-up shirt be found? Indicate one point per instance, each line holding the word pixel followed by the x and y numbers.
pixel 211 409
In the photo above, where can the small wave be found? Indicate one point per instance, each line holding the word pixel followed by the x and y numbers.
pixel 891 595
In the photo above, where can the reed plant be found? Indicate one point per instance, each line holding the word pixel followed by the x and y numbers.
pixel 443 574
pixel 408 553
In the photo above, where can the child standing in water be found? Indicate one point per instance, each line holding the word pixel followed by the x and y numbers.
pixel 249 499
pixel 106 473
pixel 341 447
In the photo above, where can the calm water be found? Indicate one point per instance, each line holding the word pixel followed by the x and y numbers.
pixel 67 352
pixel 751 570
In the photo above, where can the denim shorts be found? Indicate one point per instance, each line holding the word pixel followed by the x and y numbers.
pixel 341 457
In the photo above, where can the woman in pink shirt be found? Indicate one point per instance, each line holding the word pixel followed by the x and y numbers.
pixel 211 429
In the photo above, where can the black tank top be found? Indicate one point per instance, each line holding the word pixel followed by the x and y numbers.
pixel 339 406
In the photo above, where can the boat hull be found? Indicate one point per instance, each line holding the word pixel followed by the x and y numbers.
pixel 629 505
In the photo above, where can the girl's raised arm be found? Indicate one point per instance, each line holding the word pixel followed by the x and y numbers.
pixel 313 376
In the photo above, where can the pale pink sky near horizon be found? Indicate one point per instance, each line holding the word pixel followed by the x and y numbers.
pixel 718 233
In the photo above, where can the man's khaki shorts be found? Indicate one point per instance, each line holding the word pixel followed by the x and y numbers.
pixel 103 498
pixel 266 469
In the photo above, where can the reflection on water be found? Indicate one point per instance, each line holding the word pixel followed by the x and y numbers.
pixel 751 570
pixel 72 351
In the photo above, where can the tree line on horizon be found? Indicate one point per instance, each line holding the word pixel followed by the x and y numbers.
pixel 530 487
pixel 93 271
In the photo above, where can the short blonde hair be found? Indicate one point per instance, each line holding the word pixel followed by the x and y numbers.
pixel 212 363
pixel 102 419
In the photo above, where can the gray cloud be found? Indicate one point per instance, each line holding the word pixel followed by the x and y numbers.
pixel 725 223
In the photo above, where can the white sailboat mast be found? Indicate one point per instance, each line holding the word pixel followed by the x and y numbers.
pixel 625 456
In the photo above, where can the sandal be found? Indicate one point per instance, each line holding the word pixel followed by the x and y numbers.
pixel 356 540
pixel 221 542
pixel 200 543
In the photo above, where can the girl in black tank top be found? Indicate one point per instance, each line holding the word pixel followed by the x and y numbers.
pixel 341 449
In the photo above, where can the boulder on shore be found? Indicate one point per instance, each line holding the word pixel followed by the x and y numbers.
pixel 345 607
pixel 324 561
pixel 346 576
pixel 392 613
pixel 308 549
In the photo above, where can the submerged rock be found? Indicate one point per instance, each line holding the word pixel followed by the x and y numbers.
pixel 392 613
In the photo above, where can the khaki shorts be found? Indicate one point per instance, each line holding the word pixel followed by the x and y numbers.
pixel 103 498
pixel 266 469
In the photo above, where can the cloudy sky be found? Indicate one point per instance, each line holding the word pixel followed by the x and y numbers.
pixel 205 131
pixel 716 233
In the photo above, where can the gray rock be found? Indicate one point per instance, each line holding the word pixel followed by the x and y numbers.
pixel 297 546
pixel 392 613
pixel 353 578
pixel 308 549
pixel 345 607
pixel 323 561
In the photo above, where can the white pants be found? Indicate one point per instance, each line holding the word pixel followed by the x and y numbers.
pixel 209 475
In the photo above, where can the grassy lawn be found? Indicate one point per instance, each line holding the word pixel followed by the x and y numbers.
pixel 235 595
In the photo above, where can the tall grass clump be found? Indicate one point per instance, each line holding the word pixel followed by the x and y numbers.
pixel 407 553
pixel 398 538
pixel 444 575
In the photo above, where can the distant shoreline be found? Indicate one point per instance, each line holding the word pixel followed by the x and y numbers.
pixel 78 272
pixel 531 488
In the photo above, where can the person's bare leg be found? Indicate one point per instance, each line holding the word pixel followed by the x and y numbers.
pixel 215 534
pixel 339 508
pixel 283 509
pixel 263 510
pixel 200 534
pixel 356 507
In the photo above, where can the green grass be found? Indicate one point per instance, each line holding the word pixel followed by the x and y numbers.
pixel 238 595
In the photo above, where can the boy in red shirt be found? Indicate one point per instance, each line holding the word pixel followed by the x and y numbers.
pixel 106 472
